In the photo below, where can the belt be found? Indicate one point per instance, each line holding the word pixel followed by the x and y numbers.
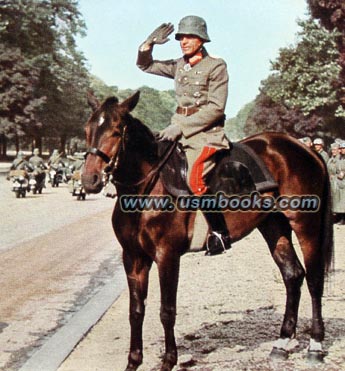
pixel 187 111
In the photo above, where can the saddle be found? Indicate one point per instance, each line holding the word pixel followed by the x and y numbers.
pixel 238 171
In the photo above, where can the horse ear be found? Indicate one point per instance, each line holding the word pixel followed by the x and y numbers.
pixel 130 103
pixel 92 100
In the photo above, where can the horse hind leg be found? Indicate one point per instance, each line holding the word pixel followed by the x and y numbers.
pixel 277 233
pixel 315 265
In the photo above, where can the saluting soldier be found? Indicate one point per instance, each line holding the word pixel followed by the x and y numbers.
pixel 201 86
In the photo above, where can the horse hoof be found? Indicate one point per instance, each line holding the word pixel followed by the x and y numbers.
pixel 279 354
pixel 316 356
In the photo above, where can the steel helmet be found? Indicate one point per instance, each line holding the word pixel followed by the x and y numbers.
pixel 192 25
pixel 318 141
pixel 335 145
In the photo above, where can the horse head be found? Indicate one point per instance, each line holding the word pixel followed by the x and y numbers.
pixel 105 133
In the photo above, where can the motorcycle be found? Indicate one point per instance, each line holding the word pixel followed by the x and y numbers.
pixel 77 188
pixel 20 182
pixel 56 174
pixel 36 181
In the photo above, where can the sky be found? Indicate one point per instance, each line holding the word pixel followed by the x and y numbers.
pixel 247 34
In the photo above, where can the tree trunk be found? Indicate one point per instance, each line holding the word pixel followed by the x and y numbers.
pixel 37 143
pixel 63 141
pixel 3 146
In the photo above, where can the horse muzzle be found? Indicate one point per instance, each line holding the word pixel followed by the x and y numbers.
pixel 93 183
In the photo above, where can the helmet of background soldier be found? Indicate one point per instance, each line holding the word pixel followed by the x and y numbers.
pixel 192 25
pixel 342 145
pixel 306 140
pixel 318 141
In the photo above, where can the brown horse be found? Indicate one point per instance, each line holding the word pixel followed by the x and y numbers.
pixel 124 147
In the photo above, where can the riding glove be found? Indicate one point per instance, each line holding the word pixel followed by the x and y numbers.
pixel 160 34
pixel 172 132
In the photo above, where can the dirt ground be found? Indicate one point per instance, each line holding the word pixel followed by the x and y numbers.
pixel 230 308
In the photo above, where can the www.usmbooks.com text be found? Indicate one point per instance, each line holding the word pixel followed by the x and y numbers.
pixel 220 202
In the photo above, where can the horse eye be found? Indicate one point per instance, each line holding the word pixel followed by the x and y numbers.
pixel 116 134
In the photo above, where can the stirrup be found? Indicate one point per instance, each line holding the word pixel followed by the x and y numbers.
pixel 215 244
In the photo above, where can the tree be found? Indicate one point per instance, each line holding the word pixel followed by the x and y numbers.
pixel 234 127
pixel 44 32
pixel 154 108
pixel 17 102
pixel 268 115
pixel 304 75
pixel 300 96
pixel 331 14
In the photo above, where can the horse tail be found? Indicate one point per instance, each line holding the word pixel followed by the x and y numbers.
pixel 327 234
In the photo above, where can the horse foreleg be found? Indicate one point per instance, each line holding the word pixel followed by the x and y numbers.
pixel 168 269
pixel 137 270
pixel 277 233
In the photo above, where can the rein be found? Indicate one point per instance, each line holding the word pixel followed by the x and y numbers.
pixel 113 163
pixel 153 171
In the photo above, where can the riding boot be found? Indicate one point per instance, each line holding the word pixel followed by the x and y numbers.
pixel 219 240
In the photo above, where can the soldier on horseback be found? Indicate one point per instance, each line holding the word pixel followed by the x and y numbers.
pixel 201 86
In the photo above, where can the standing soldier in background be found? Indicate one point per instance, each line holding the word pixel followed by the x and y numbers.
pixel 332 171
pixel 201 86
pixel 339 207
pixel 319 148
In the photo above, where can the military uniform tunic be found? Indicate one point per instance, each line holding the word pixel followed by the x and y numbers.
pixel 204 88
pixel 332 171
pixel 339 204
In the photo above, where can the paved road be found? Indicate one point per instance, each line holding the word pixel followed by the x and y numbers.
pixel 55 254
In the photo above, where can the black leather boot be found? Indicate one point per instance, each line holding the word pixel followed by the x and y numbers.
pixel 218 241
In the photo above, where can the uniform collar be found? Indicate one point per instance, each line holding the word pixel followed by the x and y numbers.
pixel 197 57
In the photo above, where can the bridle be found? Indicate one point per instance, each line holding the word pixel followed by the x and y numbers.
pixel 113 162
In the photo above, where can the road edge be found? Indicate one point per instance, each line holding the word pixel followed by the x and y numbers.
pixel 57 348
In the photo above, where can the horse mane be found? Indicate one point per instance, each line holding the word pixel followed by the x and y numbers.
pixel 140 138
